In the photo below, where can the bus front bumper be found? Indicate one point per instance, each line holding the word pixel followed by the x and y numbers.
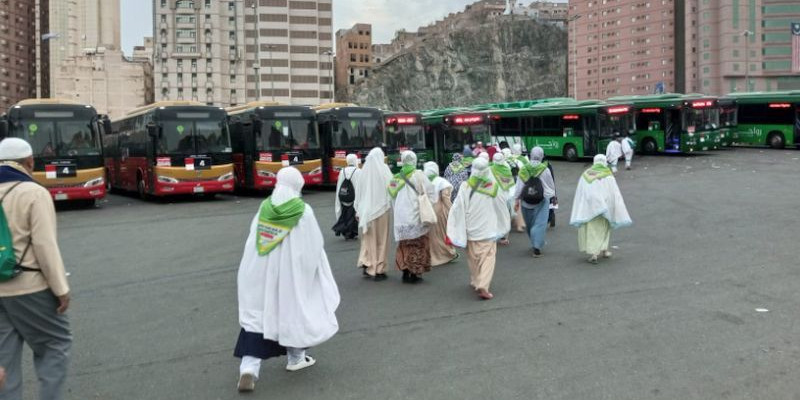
pixel 78 193
pixel 198 187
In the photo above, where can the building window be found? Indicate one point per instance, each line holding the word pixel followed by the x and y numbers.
pixel 185 33
pixel 231 6
pixel 164 18
pixel 208 3
pixel 233 78
pixel 163 3
pixel 184 4
pixel 180 63
pixel 180 77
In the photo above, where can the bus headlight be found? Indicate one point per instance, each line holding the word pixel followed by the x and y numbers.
pixel 167 179
pixel 316 171
pixel 265 174
pixel 95 182
pixel 226 177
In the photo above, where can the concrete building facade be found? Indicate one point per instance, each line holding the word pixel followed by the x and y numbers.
pixel 24 60
pixel 88 65
pixel 228 53
pixel 353 55
pixel 623 47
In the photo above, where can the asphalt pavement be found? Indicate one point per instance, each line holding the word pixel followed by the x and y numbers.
pixel 671 316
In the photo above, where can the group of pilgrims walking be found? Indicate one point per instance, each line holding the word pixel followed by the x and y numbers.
pixel 287 294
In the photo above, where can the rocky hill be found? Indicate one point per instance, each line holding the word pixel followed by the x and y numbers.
pixel 503 59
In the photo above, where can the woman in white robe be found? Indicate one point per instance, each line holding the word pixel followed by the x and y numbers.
pixel 479 217
pixel 614 153
pixel 373 210
pixel 627 149
pixel 413 255
pixel 286 291
pixel 346 222
pixel 442 252
pixel 597 209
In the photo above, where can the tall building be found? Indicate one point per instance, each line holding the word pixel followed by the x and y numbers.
pixel 231 52
pixel 87 63
pixel 623 47
pixel 24 65
pixel 740 35
pixel 353 55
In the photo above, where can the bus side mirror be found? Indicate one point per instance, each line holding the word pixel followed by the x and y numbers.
pixel 107 125
pixel 152 130
pixel 3 129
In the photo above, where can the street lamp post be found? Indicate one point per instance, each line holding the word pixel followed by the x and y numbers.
pixel 747 35
pixel 329 53
pixel 257 62
pixel 270 47
pixel 574 27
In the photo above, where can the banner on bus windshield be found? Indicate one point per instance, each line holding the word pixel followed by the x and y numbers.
pixel 61 169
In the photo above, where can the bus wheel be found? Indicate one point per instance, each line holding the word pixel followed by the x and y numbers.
pixel 140 188
pixel 776 140
pixel 570 153
pixel 649 146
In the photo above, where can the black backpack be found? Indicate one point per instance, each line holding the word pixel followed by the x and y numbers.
pixel 347 193
pixel 533 191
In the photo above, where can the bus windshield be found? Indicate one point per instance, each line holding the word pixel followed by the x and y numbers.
pixel 704 119
pixel 61 133
pixel 193 133
pixel 409 136
pixel 358 130
pixel 728 116
pixel 282 133
pixel 611 124
pixel 457 137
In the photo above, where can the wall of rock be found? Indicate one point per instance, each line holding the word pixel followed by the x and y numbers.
pixel 502 59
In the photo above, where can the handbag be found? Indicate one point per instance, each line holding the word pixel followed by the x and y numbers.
pixel 427 215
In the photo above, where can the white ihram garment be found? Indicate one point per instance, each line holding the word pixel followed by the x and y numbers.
pixel 407 224
pixel 372 197
pixel 599 198
pixel 478 217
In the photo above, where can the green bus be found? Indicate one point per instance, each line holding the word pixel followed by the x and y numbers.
pixel 447 131
pixel 405 131
pixel 674 122
pixel 568 129
pixel 767 119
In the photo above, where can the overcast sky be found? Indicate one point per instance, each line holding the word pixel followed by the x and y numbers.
pixel 386 16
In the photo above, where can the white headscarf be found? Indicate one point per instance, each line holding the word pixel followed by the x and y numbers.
pixel 352 160
pixel 372 198
pixel 408 157
pixel 516 149
pixel 288 186
pixel 600 159
pixel 507 153
pixel 537 155
pixel 484 155
pixel 431 169
pixel 480 168
pixel 499 158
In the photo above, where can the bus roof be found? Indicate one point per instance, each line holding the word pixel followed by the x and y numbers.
pixel 35 102
pixel 145 109
pixel 556 108
pixel 251 105
pixel 764 97
pixel 654 100
pixel 328 106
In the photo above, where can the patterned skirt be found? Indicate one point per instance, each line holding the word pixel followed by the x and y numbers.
pixel 414 255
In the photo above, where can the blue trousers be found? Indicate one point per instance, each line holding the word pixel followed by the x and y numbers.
pixel 536 221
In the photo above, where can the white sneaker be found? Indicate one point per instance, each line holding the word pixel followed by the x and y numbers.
pixel 592 259
pixel 247 383
pixel 606 254
pixel 309 361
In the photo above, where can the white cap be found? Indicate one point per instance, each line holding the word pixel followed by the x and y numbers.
pixel 14 149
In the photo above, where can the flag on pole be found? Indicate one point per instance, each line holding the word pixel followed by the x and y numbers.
pixel 796 47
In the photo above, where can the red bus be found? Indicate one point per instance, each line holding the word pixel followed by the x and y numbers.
pixel 67 147
pixel 269 136
pixel 170 148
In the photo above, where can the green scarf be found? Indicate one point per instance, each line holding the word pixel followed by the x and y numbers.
pixel 529 170
pixel 467 161
pixel 597 172
pixel 399 180
pixel 523 159
pixel 483 186
pixel 457 167
pixel 275 223
pixel 502 173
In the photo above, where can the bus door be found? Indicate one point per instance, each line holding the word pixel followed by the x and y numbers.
pixel 591 136
pixel 797 124
pixel 672 129
pixel 250 134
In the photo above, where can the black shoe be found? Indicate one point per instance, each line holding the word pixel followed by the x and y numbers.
pixel 364 271
pixel 414 279
pixel 537 253
pixel 381 277
pixel 406 276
